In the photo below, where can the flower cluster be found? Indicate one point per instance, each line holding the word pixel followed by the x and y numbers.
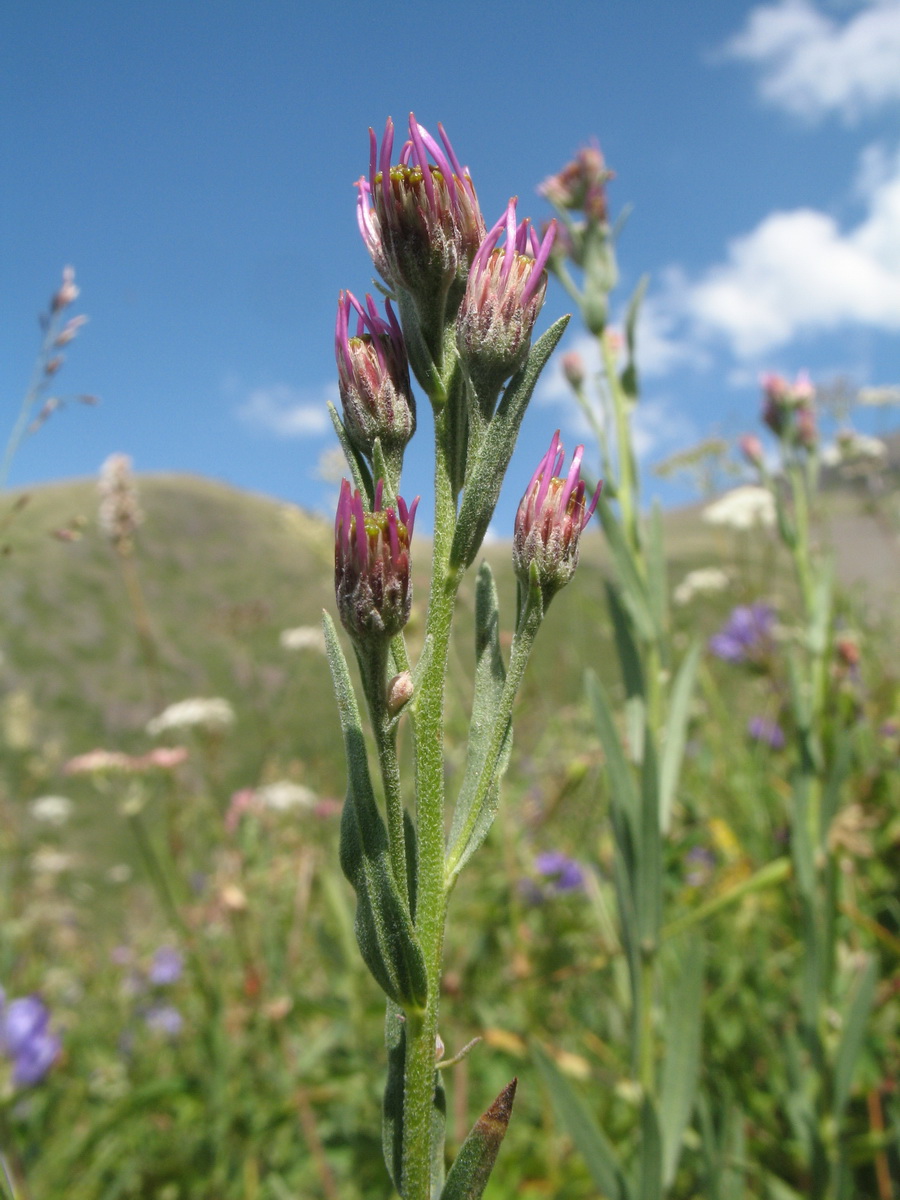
pixel 581 185
pixel 789 409
pixel 551 516
pixel 742 508
pixel 212 714
pixel 120 513
pixel 766 731
pixel 746 635
pixel 371 564
pixel 26 1039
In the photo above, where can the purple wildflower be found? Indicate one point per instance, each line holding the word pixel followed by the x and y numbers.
pixel 762 729
pixel 373 377
pixel 420 218
pixel 701 861
pixel 549 522
pixel 26 1039
pixel 166 966
pixel 371 564
pixel 164 1018
pixel 504 294
pixel 745 635
pixel 563 874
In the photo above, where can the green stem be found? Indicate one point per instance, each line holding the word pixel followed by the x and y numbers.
pixel 626 483
pixel 645 1033
pixel 386 741
pixel 431 906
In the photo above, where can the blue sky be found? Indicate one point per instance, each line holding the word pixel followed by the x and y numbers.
pixel 195 162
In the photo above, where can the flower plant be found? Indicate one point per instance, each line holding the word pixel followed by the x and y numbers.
pixel 468 298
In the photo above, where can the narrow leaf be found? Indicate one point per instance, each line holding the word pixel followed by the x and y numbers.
pixel 581 1125
pixel 676 734
pixel 392 1102
pixel 484 476
pixel 649 866
pixel 681 1066
pixel 852 1037
pixel 621 782
pixel 632 672
pixel 469 829
pixel 650 1185
pixel 467 1178
pixel 384 929
pixel 657 582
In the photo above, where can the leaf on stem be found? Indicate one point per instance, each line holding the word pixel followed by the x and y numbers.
pixel 469 829
pixel 384 928
pixel 634 590
pixel 468 1177
pixel 484 476
pixel 359 468
pixel 852 1036
pixel 681 1066
pixel 676 733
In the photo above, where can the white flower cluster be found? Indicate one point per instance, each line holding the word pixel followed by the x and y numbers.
pixel 742 508
pixel 695 583
pixel 303 637
pixel 51 810
pixel 284 796
pixel 213 714
pixel 852 447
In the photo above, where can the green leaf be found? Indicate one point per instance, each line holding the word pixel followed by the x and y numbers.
pixel 469 829
pixel 650 1186
pixel 392 1102
pixel 852 1037
pixel 468 1177
pixel 359 468
pixel 581 1125
pixel 484 476
pixel 632 673
pixel 681 1066
pixel 657 581
pixel 621 781
pixel 384 929
pixel 649 866
pixel 676 734
pixel 634 591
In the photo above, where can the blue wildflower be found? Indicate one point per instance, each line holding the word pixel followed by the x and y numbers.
pixel 26 1040
pixel 745 635
pixel 166 966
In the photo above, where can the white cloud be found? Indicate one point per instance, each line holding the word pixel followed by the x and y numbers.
pixel 286 411
pixel 797 273
pixel 811 65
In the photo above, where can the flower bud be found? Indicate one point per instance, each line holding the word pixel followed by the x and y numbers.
pixel 573 368
pixel 752 449
pixel 371 565
pixel 581 185
pixel 551 516
pixel 420 220
pixel 504 294
pixel 399 692
pixel 67 293
pixel 373 378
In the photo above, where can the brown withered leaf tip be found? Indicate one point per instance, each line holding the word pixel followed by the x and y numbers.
pixel 496 1119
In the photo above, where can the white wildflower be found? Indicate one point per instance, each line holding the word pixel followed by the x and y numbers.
pixel 48 861
pixel 878 397
pixel 854 446
pixel 742 508
pixel 214 714
pixel 284 796
pixel 51 810
pixel 303 637
pixel 120 513
pixel 704 579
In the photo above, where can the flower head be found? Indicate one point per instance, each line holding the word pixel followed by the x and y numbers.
pixel 770 733
pixel 551 516
pixel 371 564
pixel 563 873
pixel 166 967
pixel 26 1039
pixel 373 377
pixel 581 185
pixel 198 712
pixel 419 218
pixel 789 408
pixel 746 634
pixel 504 294
pixel 742 508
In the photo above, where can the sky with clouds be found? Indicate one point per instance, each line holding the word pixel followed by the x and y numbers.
pixel 195 164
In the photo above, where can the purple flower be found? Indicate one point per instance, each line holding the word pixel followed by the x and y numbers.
pixel 504 294
pixel 26 1040
pixel 745 635
pixel 564 874
pixel 701 860
pixel 371 564
pixel 373 377
pixel 166 966
pixel 761 729
pixel 164 1018
pixel 420 218
pixel 549 522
